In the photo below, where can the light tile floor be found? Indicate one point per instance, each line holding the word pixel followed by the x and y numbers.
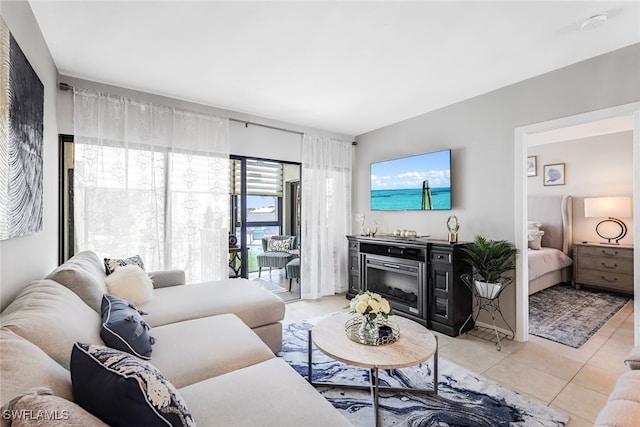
pixel 574 381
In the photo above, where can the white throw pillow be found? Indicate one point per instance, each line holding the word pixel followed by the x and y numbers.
pixel 130 283
pixel 535 239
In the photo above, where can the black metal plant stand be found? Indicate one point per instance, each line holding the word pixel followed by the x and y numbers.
pixel 487 299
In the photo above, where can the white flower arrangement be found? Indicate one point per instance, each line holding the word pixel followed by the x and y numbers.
pixel 370 305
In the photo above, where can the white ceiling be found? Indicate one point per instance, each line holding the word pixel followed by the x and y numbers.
pixel 347 67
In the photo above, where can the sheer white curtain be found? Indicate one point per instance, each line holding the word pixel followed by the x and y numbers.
pixel 154 181
pixel 326 213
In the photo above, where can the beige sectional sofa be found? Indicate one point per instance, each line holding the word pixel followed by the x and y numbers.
pixel 214 342
pixel 623 407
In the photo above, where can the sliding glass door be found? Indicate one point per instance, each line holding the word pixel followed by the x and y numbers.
pixel 265 201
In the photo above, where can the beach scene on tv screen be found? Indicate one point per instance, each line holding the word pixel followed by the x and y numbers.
pixel 421 182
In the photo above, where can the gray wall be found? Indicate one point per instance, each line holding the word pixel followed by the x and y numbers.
pixel 480 132
pixel 28 258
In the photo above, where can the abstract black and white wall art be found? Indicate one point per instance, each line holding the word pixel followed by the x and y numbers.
pixel 21 132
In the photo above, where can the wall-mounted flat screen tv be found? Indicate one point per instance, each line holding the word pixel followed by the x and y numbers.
pixel 421 182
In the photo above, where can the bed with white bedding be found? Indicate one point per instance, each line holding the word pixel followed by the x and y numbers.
pixel 550 241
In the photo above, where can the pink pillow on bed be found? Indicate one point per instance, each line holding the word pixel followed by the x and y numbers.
pixel 535 238
pixel 534 225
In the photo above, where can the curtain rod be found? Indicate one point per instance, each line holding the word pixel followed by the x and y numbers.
pixel 65 86
pixel 247 123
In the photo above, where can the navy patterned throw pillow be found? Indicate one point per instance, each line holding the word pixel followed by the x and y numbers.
pixel 110 264
pixel 123 390
pixel 123 327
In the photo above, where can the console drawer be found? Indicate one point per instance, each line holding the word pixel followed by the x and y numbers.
pixel 440 256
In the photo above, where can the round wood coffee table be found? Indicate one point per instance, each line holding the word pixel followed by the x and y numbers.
pixel 415 345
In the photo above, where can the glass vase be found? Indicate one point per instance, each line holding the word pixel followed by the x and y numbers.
pixel 369 330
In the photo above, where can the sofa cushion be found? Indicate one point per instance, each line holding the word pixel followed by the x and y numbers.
pixel 254 305
pixel 627 387
pixel 47 410
pixel 123 390
pixel 112 264
pixel 123 327
pixel 131 283
pixel 206 348
pixel 23 365
pixel 52 317
pixel 623 407
pixel 83 274
pixel 162 279
pixel 268 393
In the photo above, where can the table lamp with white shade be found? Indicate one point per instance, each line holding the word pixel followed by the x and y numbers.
pixel 611 208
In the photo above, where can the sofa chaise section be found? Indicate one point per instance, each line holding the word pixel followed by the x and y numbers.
pixel 259 309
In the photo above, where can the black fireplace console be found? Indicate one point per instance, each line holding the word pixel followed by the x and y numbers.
pixel 420 278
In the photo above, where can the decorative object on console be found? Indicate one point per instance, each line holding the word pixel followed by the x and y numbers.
pixel 369 307
pixel 453 225
pixel 405 234
pixel 369 227
pixel 554 174
pixel 610 208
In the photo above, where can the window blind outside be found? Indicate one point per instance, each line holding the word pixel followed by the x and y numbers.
pixel 263 178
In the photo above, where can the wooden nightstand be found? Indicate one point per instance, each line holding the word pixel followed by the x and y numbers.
pixel 603 266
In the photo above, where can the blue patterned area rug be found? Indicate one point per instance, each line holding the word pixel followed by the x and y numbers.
pixel 571 316
pixel 464 399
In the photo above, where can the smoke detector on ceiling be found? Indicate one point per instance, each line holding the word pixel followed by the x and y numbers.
pixel 594 22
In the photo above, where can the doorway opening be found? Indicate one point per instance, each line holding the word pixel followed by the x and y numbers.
pixel 631 116
pixel 265 221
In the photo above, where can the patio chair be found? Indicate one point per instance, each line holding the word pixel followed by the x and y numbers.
pixel 277 254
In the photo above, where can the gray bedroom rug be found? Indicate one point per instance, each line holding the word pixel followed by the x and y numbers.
pixel 571 316
pixel 464 399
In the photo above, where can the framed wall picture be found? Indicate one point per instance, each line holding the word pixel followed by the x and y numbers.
pixel 21 136
pixel 532 166
pixel 554 174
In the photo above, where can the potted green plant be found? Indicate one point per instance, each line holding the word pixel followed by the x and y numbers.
pixel 490 259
